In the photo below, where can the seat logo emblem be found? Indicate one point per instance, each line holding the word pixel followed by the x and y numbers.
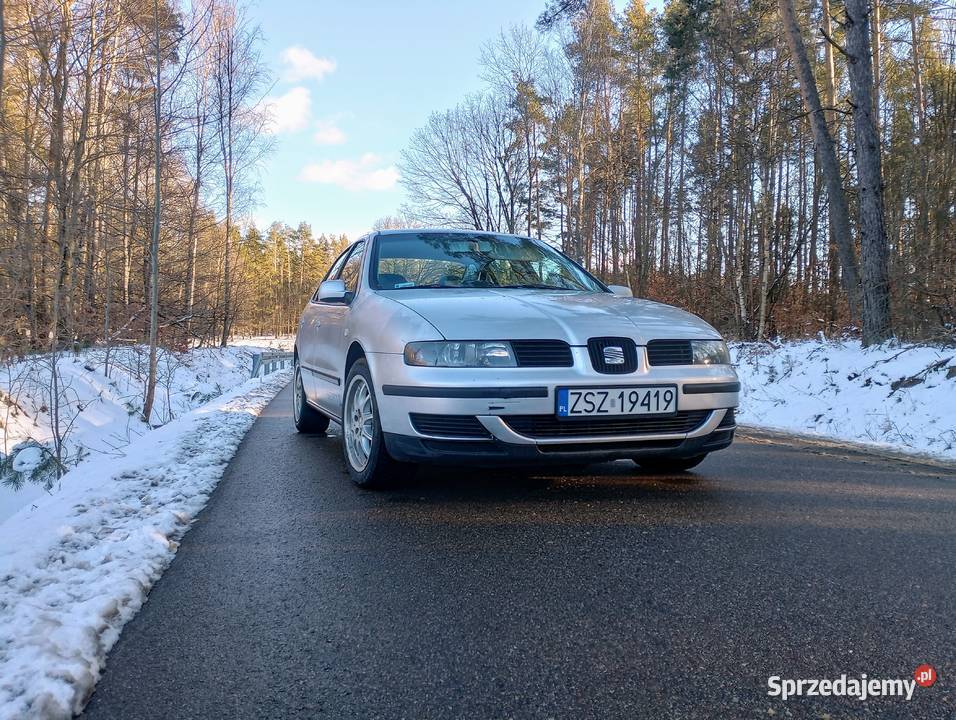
pixel 613 355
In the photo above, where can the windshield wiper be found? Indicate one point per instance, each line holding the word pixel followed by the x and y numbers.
pixel 522 286
pixel 433 286
pixel 427 286
pixel 538 286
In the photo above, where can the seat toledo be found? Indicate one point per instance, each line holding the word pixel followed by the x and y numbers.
pixel 470 347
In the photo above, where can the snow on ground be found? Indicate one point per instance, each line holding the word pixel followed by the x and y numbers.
pixel 101 397
pixel 895 396
pixel 283 342
pixel 77 566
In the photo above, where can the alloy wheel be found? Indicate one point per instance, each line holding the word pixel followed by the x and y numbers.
pixel 297 393
pixel 358 423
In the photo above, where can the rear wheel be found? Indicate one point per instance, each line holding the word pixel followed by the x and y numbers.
pixel 368 461
pixel 669 464
pixel 307 419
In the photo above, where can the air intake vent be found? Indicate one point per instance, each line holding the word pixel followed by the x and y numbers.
pixel 542 353
pixel 729 419
pixel 613 355
pixel 549 426
pixel 463 426
pixel 669 352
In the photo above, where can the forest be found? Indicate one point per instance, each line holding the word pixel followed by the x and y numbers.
pixel 780 168
pixel 129 138
pixel 777 167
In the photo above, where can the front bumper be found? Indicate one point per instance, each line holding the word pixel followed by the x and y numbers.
pixel 494 452
pixel 491 396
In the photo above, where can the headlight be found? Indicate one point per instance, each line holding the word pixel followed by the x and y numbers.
pixel 710 352
pixel 460 354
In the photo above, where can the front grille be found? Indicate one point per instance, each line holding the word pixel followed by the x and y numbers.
pixel 542 353
pixel 463 426
pixel 669 352
pixel 549 426
pixel 605 350
pixel 729 419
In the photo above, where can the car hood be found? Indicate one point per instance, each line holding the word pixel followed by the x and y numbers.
pixel 518 314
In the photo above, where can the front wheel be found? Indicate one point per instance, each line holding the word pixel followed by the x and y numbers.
pixel 666 464
pixel 368 461
pixel 307 419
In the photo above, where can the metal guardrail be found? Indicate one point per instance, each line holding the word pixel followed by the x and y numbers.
pixel 269 362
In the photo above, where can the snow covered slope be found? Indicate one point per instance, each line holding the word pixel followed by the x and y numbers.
pixel 101 402
pixel 77 567
pixel 897 396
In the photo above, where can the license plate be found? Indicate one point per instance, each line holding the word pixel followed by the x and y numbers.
pixel 596 401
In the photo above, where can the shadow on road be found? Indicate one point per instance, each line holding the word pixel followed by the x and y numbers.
pixel 750 485
pixel 621 480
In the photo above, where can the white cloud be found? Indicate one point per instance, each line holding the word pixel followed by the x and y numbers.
pixel 301 64
pixel 328 133
pixel 365 173
pixel 289 112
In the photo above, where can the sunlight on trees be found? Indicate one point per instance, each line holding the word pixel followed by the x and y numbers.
pixel 718 158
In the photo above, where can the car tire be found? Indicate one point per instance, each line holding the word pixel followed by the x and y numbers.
pixel 366 457
pixel 307 419
pixel 666 464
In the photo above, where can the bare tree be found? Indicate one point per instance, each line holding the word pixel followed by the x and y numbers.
pixel 826 155
pixel 157 214
pixel 172 42
pixel 199 87
pixel 466 168
pixel 239 79
pixel 876 294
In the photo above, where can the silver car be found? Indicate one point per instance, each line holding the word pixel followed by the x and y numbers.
pixel 476 348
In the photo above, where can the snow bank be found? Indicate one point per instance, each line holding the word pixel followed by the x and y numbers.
pixel 895 396
pixel 74 570
pixel 283 342
pixel 101 397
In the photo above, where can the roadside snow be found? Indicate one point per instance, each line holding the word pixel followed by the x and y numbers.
pixel 895 396
pixel 101 403
pixel 259 342
pixel 76 568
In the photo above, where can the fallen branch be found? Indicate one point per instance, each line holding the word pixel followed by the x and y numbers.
pixel 919 377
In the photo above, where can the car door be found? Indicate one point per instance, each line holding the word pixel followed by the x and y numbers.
pixel 331 333
pixel 308 338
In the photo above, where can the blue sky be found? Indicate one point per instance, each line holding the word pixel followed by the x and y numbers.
pixel 353 81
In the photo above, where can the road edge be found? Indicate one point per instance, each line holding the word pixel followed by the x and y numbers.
pixel 837 446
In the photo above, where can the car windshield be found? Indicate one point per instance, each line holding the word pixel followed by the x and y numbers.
pixel 461 260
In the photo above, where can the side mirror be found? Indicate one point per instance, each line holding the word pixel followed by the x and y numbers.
pixel 620 290
pixel 332 291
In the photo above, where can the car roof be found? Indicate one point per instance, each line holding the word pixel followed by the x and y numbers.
pixel 453 231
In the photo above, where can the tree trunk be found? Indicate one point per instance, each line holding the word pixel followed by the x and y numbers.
pixel 3 54
pixel 826 154
pixel 876 292
pixel 192 237
pixel 227 271
pixel 666 202
pixel 918 75
pixel 877 66
pixel 154 234
pixel 765 246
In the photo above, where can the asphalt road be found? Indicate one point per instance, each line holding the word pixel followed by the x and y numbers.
pixel 493 595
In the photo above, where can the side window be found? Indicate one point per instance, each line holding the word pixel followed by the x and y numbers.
pixel 353 267
pixel 334 270
pixel 337 265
